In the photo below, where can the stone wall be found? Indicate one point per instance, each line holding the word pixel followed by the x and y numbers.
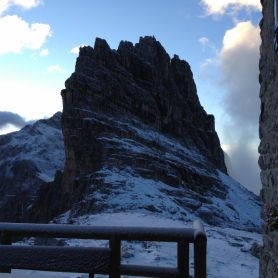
pixel 269 142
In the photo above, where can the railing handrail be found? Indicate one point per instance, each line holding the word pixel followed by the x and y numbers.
pixel 101 232
pixel 115 234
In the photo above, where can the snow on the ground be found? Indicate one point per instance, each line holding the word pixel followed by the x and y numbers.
pixel 135 193
pixel 42 143
pixel 241 199
pixel 228 249
pixel 129 191
pixel 227 255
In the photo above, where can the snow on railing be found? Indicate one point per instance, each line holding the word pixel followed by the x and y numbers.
pixel 99 260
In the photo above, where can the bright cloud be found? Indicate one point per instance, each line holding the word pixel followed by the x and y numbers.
pixel 16 34
pixel 44 52
pixel 29 98
pixel 243 35
pixel 75 50
pixel 239 58
pixel 238 61
pixel 26 4
pixel 56 68
pixel 235 68
pixel 219 7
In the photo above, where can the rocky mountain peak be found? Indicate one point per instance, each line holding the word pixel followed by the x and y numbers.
pixel 151 50
pixel 142 81
pixel 136 140
pixel 132 118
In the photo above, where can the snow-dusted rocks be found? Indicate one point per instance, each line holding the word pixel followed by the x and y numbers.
pixel 137 139
pixel 28 159
pixel 140 150
pixel 134 83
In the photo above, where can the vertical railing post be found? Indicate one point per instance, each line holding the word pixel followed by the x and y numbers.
pixel 200 258
pixel 183 259
pixel 115 246
pixel 5 239
pixel 200 250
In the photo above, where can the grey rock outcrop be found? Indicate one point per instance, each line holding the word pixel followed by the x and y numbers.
pixel 137 139
pixel 269 144
pixel 139 83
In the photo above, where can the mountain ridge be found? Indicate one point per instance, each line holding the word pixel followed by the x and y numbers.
pixel 129 145
pixel 137 139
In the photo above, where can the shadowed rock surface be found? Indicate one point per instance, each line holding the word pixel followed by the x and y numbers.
pixel 136 85
pixel 137 139
pixel 268 146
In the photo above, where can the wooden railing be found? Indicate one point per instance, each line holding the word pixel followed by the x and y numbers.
pixel 99 260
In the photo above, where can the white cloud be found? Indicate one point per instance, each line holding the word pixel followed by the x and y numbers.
pixel 235 69
pixel 203 41
pixel 238 62
pixel 25 4
pixel 239 58
pixel 220 7
pixel 56 68
pixel 44 52
pixel 75 50
pixel 16 34
pixel 30 98
pixel 244 35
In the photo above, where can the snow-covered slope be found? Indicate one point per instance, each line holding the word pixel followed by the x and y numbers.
pixel 129 196
pixel 146 171
pixel 139 148
pixel 28 158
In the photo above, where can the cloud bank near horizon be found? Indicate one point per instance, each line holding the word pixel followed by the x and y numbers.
pixel 12 119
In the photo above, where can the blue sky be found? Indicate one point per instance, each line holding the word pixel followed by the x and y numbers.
pixel 219 38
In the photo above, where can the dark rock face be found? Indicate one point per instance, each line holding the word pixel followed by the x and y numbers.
pixel 137 139
pixel 268 147
pixel 28 159
pixel 139 83
pixel 50 200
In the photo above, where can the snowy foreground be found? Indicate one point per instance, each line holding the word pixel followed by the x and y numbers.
pixel 228 249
